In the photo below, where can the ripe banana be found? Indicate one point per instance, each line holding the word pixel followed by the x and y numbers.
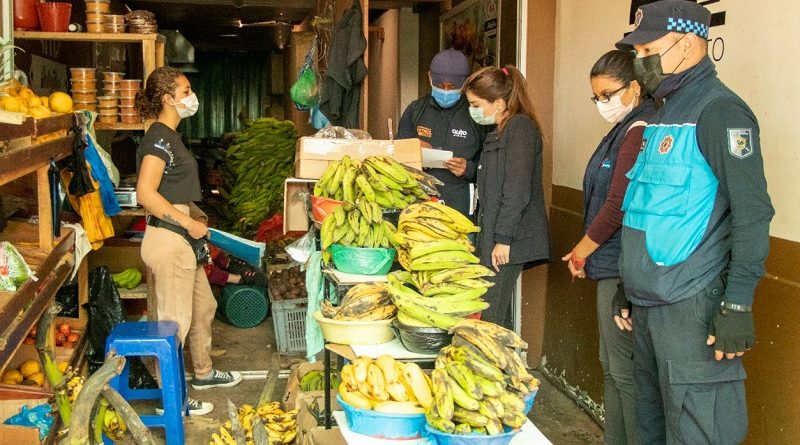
pixel 465 379
pixel 505 336
pixel 439 423
pixel 473 418
pixel 398 407
pixel 442 393
pixel 460 397
pixel 461 273
pixel 416 380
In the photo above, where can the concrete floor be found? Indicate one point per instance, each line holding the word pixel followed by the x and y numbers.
pixel 559 419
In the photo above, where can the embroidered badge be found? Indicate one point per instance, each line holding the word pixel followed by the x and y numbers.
pixel 638 19
pixel 666 144
pixel 424 132
pixel 740 142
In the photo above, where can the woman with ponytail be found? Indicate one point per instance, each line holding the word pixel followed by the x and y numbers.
pixel 511 211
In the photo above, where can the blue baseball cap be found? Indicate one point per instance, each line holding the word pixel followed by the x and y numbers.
pixel 656 20
pixel 451 66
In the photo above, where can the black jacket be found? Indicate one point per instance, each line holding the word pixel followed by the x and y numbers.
pixel 449 129
pixel 511 206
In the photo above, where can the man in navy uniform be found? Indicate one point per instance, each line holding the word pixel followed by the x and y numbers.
pixel 695 235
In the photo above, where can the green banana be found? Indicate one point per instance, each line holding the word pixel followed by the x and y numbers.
pixel 473 418
pixel 461 374
pixel 458 256
pixel 422 249
pixel 462 429
pixel 444 425
pixel 340 216
pixel 365 188
pixel 460 397
pixel 488 388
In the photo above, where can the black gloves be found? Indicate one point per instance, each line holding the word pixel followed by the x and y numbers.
pixel 620 302
pixel 734 331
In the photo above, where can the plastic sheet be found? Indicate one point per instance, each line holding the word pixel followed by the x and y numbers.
pixel 36 417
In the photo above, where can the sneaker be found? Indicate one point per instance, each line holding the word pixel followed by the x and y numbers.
pixel 196 408
pixel 217 379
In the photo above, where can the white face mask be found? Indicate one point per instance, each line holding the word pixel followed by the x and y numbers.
pixel 614 110
pixel 190 103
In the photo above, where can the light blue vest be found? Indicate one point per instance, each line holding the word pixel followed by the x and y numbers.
pixel 671 193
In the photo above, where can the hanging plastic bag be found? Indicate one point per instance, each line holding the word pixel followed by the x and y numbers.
pixel 305 91
pixel 317 118
pixel 302 249
pixel 13 269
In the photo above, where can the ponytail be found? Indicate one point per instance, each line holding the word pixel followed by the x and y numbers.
pixel 508 83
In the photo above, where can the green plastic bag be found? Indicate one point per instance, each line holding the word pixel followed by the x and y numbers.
pixel 13 269
pixel 362 260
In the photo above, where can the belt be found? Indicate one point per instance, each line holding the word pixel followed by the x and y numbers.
pixel 155 222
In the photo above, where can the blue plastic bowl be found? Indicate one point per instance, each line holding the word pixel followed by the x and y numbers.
pixel 529 399
pixel 383 425
pixel 442 438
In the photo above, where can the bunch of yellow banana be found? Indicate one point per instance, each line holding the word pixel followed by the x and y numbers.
pixel 441 308
pixel 280 426
pixel 377 179
pixel 480 383
pixel 386 385
pixel 424 224
pixel 113 425
pixel 74 386
pixel 360 225
pixel 363 302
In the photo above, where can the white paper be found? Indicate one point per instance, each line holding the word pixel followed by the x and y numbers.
pixel 393 348
pixel 434 157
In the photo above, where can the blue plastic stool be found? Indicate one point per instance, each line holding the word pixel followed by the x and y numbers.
pixel 159 339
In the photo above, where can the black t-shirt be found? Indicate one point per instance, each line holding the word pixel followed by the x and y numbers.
pixel 180 182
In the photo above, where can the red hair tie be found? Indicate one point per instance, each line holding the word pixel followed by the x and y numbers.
pixel 504 70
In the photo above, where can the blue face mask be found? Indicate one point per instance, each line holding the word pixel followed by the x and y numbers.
pixel 445 98
pixel 477 115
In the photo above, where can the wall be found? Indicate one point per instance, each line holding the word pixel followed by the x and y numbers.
pixel 384 95
pixel 408 60
pixel 757 37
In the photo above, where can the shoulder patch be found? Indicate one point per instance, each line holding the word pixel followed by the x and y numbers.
pixel 666 144
pixel 424 132
pixel 740 142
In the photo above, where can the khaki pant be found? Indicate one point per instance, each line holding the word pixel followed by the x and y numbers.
pixel 182 290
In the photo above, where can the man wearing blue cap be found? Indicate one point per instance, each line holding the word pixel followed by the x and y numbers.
pixel 695 235
pixel 441 120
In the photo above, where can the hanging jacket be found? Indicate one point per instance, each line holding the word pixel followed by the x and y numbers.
pixel 604 262
pixel 697 203
pixel 341 91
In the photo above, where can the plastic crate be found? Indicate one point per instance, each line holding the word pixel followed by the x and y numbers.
pixel 289 319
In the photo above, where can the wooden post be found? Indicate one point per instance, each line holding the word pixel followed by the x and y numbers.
pixel 83 291
pixel 159 55
pixel 149 57
pixel 365 84
pixel 45 214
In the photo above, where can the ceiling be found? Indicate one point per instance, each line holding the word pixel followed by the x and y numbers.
pixel 210 25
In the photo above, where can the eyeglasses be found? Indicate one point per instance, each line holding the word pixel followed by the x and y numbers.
pixel 605 97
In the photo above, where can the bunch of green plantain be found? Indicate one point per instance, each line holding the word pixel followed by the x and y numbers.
pixel 479 382
pixel 128 278
pixel 359 225
pixel 314 381
pixel 363 302
pixel 261 158
pixel 377 179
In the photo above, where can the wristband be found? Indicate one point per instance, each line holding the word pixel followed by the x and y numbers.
pixel 577 261
pixel 727 306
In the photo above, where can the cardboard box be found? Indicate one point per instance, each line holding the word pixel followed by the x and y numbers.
pixel 321 436
pixel 314 154
pixel 311 407
pixel 295 213
pixel 20 434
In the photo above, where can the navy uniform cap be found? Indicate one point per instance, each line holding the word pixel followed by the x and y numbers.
pixel 656 20
pixel 450 65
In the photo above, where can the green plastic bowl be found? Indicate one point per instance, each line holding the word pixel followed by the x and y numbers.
pixel 362 260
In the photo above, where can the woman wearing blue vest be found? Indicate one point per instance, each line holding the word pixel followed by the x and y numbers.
pixel 621 101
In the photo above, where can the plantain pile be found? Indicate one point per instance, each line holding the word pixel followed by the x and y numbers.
pixel 359 225
pixel 363 302
pixel 280 426
pixel 314 381
pixel 386 385
pixel 261 158
pixel 480 383
pixel 378 179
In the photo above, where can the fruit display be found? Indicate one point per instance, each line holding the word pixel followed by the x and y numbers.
pixel 128 278
pixel 362 302
pixel 287 284
pixel 314 381
pixel 65 336
pixel 31 337
pixel 260 158
pixel 479 382
pixel 18 98
pixel 385 385
pixel 377 179
pixel 357 225
pixel 281 427
pixel 28 373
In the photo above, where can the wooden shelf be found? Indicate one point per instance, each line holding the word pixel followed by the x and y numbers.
pixel 88 37
pixel 18 163
pixel 21 309
pixel 120 126
pixel 137 293
pixel 37 127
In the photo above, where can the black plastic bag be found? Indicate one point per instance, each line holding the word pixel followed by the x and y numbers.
pixel 106 311
pixel 81 182
pixel 67 297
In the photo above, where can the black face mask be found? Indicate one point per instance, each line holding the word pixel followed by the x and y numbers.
pixel 649 72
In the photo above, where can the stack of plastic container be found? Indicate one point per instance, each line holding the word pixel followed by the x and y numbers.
pixel 107 109
pixel 128 113
pixel 84 88
pixel 114 24
pixel 95 11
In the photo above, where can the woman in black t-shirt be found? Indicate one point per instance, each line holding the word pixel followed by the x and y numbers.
pixel 167 187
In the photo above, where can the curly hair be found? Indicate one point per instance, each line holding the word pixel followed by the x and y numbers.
pixel 160 82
